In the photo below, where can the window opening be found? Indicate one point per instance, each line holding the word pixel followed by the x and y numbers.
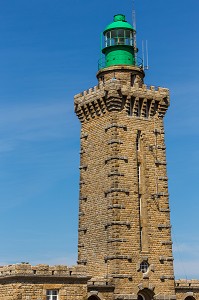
pixel 146 294
pixel 138 140
pixel 52 295
pixel 140 297
pixel 140 204
pixel 144 266
pixel 119 37
pixel 139 173
pixel 140 238
pixel 140 220
pixel 108 39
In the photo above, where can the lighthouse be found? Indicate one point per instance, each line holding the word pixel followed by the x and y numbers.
pixel 124 214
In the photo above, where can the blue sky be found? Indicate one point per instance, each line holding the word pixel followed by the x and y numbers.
pixel 49 52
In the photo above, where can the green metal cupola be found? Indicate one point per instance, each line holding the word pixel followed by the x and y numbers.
pixel 119 43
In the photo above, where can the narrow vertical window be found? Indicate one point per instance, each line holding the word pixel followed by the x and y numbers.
pixel 140 238
pixel 139 173
pixel 140 205
pixel 140 218
pixel 138 140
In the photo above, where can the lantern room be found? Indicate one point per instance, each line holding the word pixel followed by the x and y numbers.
pixel 119 43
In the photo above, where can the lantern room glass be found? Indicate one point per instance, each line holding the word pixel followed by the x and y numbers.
pixel 119 37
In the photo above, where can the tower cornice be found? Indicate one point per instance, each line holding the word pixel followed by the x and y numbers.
pixel 114 96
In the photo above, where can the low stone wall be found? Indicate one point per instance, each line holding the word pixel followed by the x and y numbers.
pixel 26 282
pixel 187 288
pixel 42 269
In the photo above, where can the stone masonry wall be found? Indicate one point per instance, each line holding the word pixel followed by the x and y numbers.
pixel 187 289
pixel 26 282
pixel 124 209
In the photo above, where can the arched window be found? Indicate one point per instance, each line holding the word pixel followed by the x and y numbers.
pixel 93 298
pixel 141 297
pixel 189 298
pixel 145 294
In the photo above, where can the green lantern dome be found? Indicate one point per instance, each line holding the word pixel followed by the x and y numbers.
pixel 119 43
pixel 119 22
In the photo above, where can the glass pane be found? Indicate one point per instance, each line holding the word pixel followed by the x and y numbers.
pixel 54 298
pixel 131 42
pixel 112 43
pixel 113 33
pixel 48 298
pixel 127 41
pixel 127 33
pixel 48 293
pixel 108 42
pixel 121 32
pixel 120 41
pixel 54 292
pixel 105 41
pixel 144 266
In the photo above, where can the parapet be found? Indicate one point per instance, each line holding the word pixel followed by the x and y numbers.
pixel 113 95
pixel 185 284
pixel 115 83
pixel 25 269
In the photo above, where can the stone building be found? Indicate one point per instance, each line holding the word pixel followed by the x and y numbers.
pixel 124 245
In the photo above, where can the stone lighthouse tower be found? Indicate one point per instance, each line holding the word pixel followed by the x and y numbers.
pixel 124 216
